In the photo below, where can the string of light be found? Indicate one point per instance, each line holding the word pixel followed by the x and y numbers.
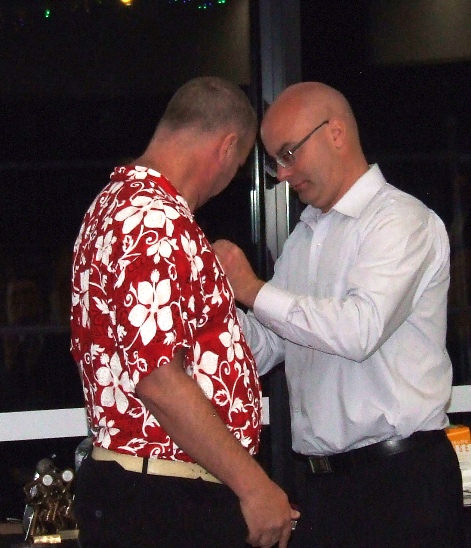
pixel 48 9
pixel 19 17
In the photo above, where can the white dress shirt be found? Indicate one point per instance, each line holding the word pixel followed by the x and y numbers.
pixel 357 309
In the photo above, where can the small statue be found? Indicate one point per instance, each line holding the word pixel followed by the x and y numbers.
pixel 48 512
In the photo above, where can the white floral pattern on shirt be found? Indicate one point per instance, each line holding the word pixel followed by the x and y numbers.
pixel 145 283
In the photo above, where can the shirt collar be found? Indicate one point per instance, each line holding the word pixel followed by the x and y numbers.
pixel 157 177
pixel 354 201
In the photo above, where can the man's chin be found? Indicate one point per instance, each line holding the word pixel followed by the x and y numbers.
pixel 302 196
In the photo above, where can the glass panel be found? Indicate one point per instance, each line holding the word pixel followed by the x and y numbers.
pixel 83 85
pixel 414 118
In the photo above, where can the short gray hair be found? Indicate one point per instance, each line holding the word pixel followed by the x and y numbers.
pixel 209 103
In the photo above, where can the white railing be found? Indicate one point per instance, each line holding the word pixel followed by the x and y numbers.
pixel 69 423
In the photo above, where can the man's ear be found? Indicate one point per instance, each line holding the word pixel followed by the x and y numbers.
pixel 228 147
pixel 338 131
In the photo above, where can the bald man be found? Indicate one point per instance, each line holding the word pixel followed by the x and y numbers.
pixel 357 310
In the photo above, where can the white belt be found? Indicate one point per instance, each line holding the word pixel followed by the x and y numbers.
pixel 156 467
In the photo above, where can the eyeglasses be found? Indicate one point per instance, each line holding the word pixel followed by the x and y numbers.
pixel 286 157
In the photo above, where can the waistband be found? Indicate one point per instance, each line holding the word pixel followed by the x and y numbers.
pixel 155 467
pixel 350 460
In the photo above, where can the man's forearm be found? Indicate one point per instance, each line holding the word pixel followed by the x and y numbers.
pixel 182 409
pixel 191 421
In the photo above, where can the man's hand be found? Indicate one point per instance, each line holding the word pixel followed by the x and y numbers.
pixel 200 432
pixel 242 278
pixel 268 516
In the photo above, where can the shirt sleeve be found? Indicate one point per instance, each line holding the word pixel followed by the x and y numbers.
pixel 398 257
pixel 267 347
pixel 152 303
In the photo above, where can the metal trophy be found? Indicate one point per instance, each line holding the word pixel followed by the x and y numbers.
pixel 48 517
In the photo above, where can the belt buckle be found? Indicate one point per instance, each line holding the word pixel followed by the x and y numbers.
pixel 320 465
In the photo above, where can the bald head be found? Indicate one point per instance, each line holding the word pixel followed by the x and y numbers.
pixel 312 127
pixel 311 101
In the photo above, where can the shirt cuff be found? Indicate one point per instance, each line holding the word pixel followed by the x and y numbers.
pixel 272 305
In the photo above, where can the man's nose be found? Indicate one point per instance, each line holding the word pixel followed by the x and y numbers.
pixel 283 173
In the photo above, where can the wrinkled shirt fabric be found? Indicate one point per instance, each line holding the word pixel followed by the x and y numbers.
pixel 357 308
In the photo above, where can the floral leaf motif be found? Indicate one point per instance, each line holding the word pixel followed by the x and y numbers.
pixel 138 315
pixel 134 445
pixel 96 349
pixel 163 248
pixel 226 339
pixel 221 398
pixel 136 412
pixel 163 291
pixel 75 298
pixel 101 305
pixel 216 297
pixel 122 274
pixel 145 293
pixel 131 217
pixel 121 400
pixel 171 213
pixel 239 352
pixel 116 383
pixel 169 338
pixel 190 248
pixel 237 405
pixel 103 376
pixel 246 441
pixel 154 219
pixel 230 339
pixel 148 330
pixel 147 210
pixel 85 296
pixel 107 397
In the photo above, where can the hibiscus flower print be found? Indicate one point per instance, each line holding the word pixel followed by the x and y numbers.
pixel 104 247
pixel 207 368
pixel 164 247
pixel 150 313
pixel 82 298
pixel 105 432
pixel 230 339
pixel 116 383
pixel 146 210
pixel 189 246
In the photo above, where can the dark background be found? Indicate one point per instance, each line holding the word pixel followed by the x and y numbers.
pixel 63 128
pixel 82 90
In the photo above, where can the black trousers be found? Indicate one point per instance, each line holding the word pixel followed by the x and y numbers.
pixel 120 509
pixel 413 499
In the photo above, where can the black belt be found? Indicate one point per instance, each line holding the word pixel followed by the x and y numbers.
pixel 346 462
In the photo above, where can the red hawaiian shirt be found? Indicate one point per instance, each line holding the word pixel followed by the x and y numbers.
pixel 146 282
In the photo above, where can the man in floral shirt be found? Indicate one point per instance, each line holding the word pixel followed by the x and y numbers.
pixel 170 385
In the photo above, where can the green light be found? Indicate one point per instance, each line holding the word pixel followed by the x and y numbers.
pixel 47 13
